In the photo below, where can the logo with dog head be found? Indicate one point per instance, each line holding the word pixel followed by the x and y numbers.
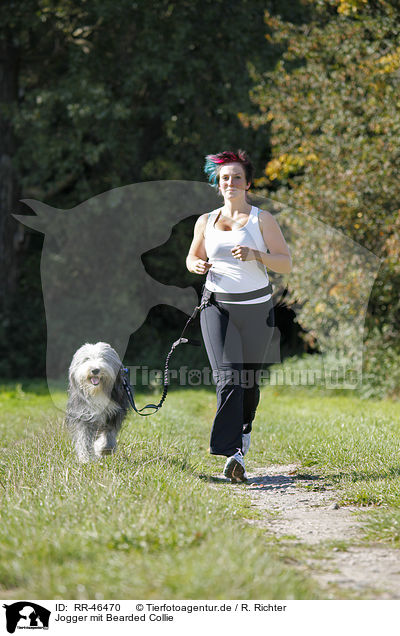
pixel 96 287
pixel 95 284
pixel 26 615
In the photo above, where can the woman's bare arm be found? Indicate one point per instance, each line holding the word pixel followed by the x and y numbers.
pixel 196 260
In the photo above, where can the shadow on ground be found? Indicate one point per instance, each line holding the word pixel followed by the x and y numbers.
pixel 265 482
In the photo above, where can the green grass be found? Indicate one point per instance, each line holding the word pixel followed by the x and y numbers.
pixel 353 443
pixel 151 522
pixel 146 523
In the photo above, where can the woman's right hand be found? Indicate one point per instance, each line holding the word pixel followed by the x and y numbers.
pixel 200 267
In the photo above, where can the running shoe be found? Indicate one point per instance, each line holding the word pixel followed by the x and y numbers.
pixel 234 468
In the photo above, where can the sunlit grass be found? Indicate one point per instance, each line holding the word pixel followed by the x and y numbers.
pixel 152 521
pixel 145 523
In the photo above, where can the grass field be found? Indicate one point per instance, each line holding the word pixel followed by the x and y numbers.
pixel 151 522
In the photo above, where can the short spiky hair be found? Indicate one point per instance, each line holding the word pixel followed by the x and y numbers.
pixel 214 164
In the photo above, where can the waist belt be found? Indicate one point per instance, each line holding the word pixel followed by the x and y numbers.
pixel 257 293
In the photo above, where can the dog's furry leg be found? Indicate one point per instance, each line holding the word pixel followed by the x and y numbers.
pixel 106 443
pixel 83 436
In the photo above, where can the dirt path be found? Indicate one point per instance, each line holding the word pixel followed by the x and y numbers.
pixel 301 510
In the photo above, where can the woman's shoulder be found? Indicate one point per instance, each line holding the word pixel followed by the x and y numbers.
pixel 264 214
pixel 201 223
pixel 266 218
pixel 204 218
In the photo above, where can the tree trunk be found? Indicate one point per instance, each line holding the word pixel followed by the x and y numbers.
pixel 10 235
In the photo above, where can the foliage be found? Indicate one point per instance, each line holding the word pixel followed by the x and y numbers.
pixel 112 93
pixel 332 107
pixel 23 326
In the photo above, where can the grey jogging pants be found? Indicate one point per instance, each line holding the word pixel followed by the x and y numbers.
pixel 237 338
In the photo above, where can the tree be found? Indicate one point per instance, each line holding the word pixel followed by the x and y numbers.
pixel 111 93
pixel 9 190
pixel 332 107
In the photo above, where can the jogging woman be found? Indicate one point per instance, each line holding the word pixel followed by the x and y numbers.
pixel 234 245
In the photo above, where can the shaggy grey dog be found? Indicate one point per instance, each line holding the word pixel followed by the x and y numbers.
pixel 97 401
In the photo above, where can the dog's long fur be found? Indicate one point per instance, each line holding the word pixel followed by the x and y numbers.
pixel 97 401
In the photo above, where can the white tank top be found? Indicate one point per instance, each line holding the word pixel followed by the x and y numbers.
pixel 227 273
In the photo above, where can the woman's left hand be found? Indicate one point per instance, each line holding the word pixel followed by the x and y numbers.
pixel 243 253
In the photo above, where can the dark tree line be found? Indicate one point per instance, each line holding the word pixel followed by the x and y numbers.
pixel 95 95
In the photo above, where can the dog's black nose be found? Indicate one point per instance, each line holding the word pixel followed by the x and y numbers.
pixel 95 371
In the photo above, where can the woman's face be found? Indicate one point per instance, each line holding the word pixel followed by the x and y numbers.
pixel 232 181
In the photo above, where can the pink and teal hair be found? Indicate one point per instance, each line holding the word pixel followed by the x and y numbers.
pixel 214 164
